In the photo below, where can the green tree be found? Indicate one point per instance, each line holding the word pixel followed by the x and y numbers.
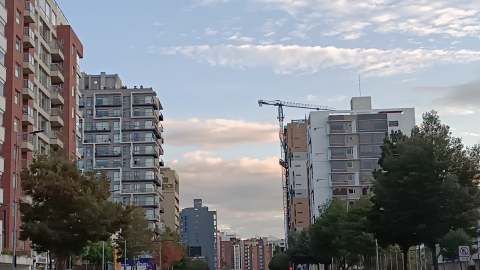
pixel 171 248
pixel 139 237
pixel 197 265
pixel 427 186
pixel 279 261
pixel 451 241
pixel 94 251
pixel 299 248
pixel 69 209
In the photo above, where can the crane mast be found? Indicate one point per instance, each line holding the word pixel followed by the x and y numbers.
pixel 283 149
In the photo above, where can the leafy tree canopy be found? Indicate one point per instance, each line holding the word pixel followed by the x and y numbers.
pixel 451 241
pixel 69 209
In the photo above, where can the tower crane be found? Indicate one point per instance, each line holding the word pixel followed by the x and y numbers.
pixel 283 146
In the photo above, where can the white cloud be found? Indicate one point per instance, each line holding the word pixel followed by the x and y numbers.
pixel 158 24
pixel 301 59
pixel 454 18
pixel 238 37
pixel 217 133
pixel 408 80
pixel 269 34
pixel 246 192
pixel 209 2
pixel 266 42
pixel 209 31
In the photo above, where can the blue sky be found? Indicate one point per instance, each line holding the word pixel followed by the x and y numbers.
pixel 211 60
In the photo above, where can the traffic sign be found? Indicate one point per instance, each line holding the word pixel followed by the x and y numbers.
pixel 464 251
pixel 464 259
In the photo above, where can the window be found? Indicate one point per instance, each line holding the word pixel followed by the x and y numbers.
pixel 17 98
pixel 370 164
pixel 349 164
pixel 89 101
pixel 337 152
pixel 116 138
pixel 73 91
pixel 370 151
pixel 337 139
pixel 336 126
pixel 18 17
pixel 2 29
pixel 17 44
pixel 73 49
pixel 116 125
pixel 351 190
pixel 17 70
pixel 117 113
pixel 14 181
pixel 349 151
pixel 15 125
pixel 393 123
pixel 2 57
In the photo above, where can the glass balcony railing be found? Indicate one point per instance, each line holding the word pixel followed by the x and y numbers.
pixel 28 6
pixel 27 138
pixel 28 32
pixel 56 135
pixel 55 89
pixel 29 84
pixel 56 67
pixel 27 110
pixel 56 112
pixel 28 58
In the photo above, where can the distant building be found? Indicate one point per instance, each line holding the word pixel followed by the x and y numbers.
pixel 344 146
pixel 198 231
pixel 171 204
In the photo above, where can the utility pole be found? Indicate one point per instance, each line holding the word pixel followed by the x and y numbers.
pixel 376 243
pixel 103 255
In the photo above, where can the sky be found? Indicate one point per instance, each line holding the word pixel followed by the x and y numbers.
pixel 210 61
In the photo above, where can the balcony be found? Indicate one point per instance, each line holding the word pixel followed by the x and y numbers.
pixel 154 128
pixel 100 103
pixel 106 115
pixel 139 139
pixel 56 49
pixel 162 210
pixel 56 95
pixel 2 134
pixel 27 143
pixel 27 115
pixel 108 165
pixel 98 141
pixel 56 117
pixel 89 129
pixel 143 178
pixel 147 204
pixel 153 217
pixel 56 139
pixel 28 90
pixel 138 114
pixel 2 166
pixel 29 12
pixel 151 102
pixel 108 154
pixel 28 64
pixel 81 103
pixel 151 152
pixel 160 117
pixel 143 164
pixel 28 38
pixel 56 73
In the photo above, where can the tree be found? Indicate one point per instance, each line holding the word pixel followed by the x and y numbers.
pixel 139 237
pixel 224 265
pixel 69 209
pixel 171 249
pixel 342 233
pixel 451 241
pixel 280 260
pixel 94 251
pixel 197 265
pixel 299 248
pixel 426 187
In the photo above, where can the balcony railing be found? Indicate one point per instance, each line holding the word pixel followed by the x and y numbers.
pixel 141 190
pixel 29 84
pixel 56 45
pixel 56 112
pixel 144 164
pixel 55 89
pixel 27 31
pixel 140 139
pixel 108 115
pixel 27 138
pixel 146 152
pixel 102 165
pixel 108 154
pixel 147 203
pixel 44 106
pixel 109 103
pixel 94 128
pixel 27 110
pixel 56 135
pixel 126 126
pixel 152 217
pixel 142 177
pixel 27 57
pixel 56 67
pixel 146 114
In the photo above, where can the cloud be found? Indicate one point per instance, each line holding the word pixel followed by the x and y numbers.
pixel 247 193
pixel 307 59
pixel 460 99
pixel 269 34
pixel 217 133
pixel 209 2
pixel 209 31
pixel 158 24
pixel 451 18
pixel 237 37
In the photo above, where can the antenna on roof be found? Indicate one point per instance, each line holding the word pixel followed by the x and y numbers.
pixel 359 85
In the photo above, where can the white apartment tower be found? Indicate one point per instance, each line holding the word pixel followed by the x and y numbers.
pixel 343 149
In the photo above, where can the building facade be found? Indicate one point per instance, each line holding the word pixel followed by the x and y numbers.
pixel 298 202
pixel 122 134
pixel 344 146
pixel 255 253
pixel 40 77
pixel 3 79
pixel 171 204
pixel 198 231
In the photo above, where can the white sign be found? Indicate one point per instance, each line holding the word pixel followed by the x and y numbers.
pixel 464 259
pixel 464 251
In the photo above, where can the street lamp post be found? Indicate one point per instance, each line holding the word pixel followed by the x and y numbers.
pixel 14 241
